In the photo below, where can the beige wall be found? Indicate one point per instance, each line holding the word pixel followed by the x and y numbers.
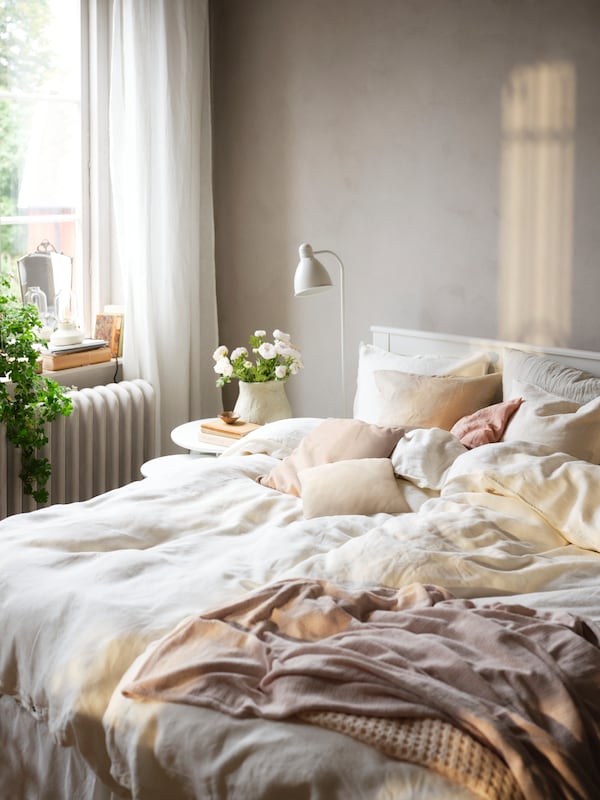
pixel 447 150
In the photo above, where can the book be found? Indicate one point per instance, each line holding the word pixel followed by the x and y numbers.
pixel 53 362
pixel 86 344
pixel 234 430
pixel 110 328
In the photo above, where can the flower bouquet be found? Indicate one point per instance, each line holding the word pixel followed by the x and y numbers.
pixel 273 361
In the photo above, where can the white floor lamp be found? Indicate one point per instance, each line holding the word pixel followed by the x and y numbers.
pixel 311 277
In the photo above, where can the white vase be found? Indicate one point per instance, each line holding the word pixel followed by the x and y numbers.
pixel 262 402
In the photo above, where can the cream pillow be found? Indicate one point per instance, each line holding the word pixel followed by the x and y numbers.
pixel 332 440
pixel 431 401
pixel 562 425
pixel 568 382
pixel 372 358
pixel 356 486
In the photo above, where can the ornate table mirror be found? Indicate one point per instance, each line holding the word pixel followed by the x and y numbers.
pixel 47 270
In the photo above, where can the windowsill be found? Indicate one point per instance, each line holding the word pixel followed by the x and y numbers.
pixel 89 376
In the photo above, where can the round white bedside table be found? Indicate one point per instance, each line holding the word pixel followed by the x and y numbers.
pixel 187 436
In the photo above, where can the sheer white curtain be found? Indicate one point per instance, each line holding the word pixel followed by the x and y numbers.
pixel 161 220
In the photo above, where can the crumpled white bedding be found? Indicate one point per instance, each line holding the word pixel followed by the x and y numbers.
pixel 86 588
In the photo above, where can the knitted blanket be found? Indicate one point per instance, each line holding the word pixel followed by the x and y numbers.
pixel 430 743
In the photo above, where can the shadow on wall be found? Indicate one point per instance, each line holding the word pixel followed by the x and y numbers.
pixel 536 204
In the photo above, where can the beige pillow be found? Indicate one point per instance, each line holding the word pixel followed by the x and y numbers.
pixel 357 486
pixel 568 382
pixel 431 401
pixel 332 440
pixel 563 425
pixel 372 358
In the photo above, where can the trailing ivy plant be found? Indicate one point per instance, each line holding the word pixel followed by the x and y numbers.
pixel 28 399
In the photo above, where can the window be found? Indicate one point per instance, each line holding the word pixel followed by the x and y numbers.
pixel 40 129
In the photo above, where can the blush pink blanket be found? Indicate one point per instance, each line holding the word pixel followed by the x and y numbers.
pixel 526 684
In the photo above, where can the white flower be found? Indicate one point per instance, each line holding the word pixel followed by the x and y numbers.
pixel 220 352
pixel 265 362
pixel 223 366
pixel 267 350
pixel 288 352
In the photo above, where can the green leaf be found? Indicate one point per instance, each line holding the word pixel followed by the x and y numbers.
pixel 29 400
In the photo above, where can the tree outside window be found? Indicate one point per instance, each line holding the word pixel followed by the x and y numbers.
pixel 40 127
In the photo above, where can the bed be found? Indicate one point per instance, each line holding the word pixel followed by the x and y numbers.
pixel 240 627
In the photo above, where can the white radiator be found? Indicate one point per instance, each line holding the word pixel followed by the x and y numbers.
pixel 100 446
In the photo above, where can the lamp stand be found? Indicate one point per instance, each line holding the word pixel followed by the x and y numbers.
pixel 342 325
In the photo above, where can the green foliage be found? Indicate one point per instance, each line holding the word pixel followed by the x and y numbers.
pixel 25 49
pixel 27 60
pixel 9 159
pixel 28 400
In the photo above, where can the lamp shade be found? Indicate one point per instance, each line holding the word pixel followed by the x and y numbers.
pixel 310 276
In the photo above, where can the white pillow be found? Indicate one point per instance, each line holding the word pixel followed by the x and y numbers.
pixel 372 358
pixel 356 486
pixel 424 456
pixel 550 420
pixel 568 382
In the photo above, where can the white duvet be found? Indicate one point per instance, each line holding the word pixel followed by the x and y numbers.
pixel 86 588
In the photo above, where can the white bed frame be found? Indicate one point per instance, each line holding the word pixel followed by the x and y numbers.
pixel 412 343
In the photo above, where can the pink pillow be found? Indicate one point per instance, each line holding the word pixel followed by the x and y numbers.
pixel 332 440
pixel 486 425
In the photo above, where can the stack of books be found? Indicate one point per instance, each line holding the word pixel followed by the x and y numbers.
pixel 222 433
pixel 68 356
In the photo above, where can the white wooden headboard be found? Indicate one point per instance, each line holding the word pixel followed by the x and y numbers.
pixel 412 343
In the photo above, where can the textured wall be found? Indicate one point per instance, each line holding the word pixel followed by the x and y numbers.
pixel 447 150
